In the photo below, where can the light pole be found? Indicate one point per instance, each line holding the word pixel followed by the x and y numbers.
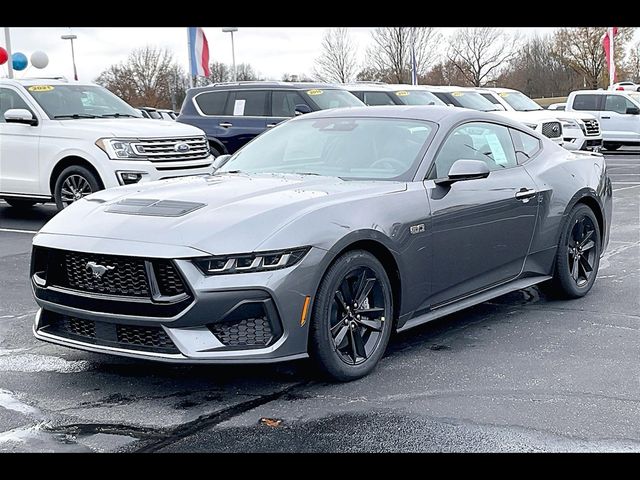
pixel 73 55
pixel 233 50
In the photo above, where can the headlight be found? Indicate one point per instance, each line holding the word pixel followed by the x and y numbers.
pixel 250 262
pixel 569 123
pixel 118 149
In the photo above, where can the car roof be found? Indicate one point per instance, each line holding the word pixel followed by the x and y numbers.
pixel 25 82
pixel 268 85
pixel 601 92
pixel 366 86
pixel 448 88
pixel 501 90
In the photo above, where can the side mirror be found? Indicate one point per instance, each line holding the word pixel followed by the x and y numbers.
pixel 465 170
pixel 633 111
pixel 219 161
pixel 20 115
pixel 301 109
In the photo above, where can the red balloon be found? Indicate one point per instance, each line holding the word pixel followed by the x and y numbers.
pixel 4 56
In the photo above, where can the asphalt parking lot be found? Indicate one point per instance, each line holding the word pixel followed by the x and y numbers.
pixel 519 373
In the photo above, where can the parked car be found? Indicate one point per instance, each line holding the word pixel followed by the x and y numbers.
pixel 618 112
pixel 472 98
pixel 376 94
pixel 168 114
pixel 320 238
pixel 61 141
pixel 557 106
pixel 625 86
pixel 150 112
pixel 580 130
pixel 232 114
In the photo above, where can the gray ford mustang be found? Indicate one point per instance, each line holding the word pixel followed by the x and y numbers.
pixel 321 237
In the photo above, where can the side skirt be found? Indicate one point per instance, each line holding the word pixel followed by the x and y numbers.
pixel 474 300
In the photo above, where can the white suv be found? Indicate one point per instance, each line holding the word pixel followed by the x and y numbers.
pixel 63 140
pixel 580 131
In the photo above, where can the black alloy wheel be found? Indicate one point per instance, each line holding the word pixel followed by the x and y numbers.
pixel 581 250
pixel 352 317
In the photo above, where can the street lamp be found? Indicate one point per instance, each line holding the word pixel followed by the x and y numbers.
pixel 233 50
pixel 73 55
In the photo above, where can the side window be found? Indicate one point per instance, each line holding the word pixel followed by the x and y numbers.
pixel 585 102
pixel 491 98
pixel 248 103
pixel 212 103
pixel 377 98
pixel 359 94
pixel 283 103
pixel 10 99
pixel 486 142
pixel 617 103
pixel 526 145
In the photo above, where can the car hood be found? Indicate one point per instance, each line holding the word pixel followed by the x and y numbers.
pixel 130 128
pixel 218 214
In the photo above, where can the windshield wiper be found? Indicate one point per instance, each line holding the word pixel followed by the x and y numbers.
pixel 75 115
pixel 116 115
pixel 307 173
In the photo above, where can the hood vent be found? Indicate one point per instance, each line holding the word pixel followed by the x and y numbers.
pixel 153 208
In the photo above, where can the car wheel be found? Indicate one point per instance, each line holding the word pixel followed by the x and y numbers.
pixel 578 255
pixel 611 146
pixel 352 317
pixel 215 151
pixel 20 203
pixel 74 183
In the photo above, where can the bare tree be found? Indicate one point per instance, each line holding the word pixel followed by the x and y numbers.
pixel 390 54
pixel 296 77
pixel 149 77
pixel 632 65
pixel 581 49
pixel 338 61
pixel 444 73
pixel 245 72
pixel 480 52
pixel 219 72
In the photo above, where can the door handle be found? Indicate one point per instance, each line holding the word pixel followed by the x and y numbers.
pixel 271 125
pixel 226 124
pixel 605 117
pixel 525 194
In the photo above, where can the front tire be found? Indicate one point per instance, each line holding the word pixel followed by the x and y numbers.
pixel 74 183
pixel 578 255
pixel 352 317
pixel 20 204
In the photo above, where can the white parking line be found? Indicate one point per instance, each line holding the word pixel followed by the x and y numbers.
pixel 625 188
pixel 15 230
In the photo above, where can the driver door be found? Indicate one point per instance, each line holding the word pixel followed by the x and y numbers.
pixel 481 229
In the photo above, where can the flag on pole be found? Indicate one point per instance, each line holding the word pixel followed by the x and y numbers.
pixel 198 52
pixel 608 45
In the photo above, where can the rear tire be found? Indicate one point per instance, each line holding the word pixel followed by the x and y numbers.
pixel 611 146
pixel 352 317
pixel 578 255
pixel 74 183
pixel 21 204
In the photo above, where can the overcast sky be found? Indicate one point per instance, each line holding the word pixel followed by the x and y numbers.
pixel 271 51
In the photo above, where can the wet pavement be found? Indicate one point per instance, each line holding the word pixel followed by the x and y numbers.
pixel 522 372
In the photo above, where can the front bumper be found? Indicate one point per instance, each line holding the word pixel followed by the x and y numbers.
pixel 581 142
pixel 239 318
pixel 152 171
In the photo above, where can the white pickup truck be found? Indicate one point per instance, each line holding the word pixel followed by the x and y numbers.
pixel 61 141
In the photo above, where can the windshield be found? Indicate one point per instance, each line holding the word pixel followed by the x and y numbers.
pixel 520 102
pixel 418 97
pixel 80 101
pixel 474 101
pixel 635 96
pixel 333 98
pixel 355 148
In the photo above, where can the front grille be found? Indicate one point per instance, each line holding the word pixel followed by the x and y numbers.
pixel 154 337
pixel 169 281
pixel 248 332
pixel 123 276
pixel 591 127
pixel 552 129
pixel 132 337
pixel 173 149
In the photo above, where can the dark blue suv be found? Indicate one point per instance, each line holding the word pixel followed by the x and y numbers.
pixel 231 114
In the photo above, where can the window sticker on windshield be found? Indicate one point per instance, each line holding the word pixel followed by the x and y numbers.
pixel 457 94
pixel 40 88
pixel 402 93
pixel 315 91
pixel 496 149
pixel 238 107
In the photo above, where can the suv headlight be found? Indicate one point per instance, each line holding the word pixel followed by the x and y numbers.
pixel 117 149
pixel 250 262
pixel 568 123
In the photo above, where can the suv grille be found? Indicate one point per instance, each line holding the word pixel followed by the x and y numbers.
pixel 591 127
pixel 173 149
pixel 552 129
